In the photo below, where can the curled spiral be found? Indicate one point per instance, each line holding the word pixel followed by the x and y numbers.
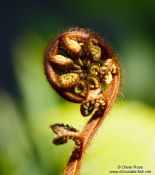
pixel 78 64
pixel 66 132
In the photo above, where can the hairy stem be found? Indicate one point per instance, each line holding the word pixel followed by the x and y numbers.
pixel 73 165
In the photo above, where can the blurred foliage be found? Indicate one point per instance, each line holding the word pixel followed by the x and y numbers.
pixel 127 137
pixel 128 133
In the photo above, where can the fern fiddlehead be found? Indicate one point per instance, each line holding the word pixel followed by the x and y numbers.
pixel 82 68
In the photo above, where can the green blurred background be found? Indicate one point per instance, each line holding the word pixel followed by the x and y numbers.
pixel 28 105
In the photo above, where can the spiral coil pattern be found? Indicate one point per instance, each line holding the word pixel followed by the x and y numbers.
pixel 79 65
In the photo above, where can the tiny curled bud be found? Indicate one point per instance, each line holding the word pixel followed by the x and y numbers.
pixel 81 89
pixel 71 44
pixel 97 104
pixel 95 50
pixel 65 132
pixel 68 80
pixel 61 60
